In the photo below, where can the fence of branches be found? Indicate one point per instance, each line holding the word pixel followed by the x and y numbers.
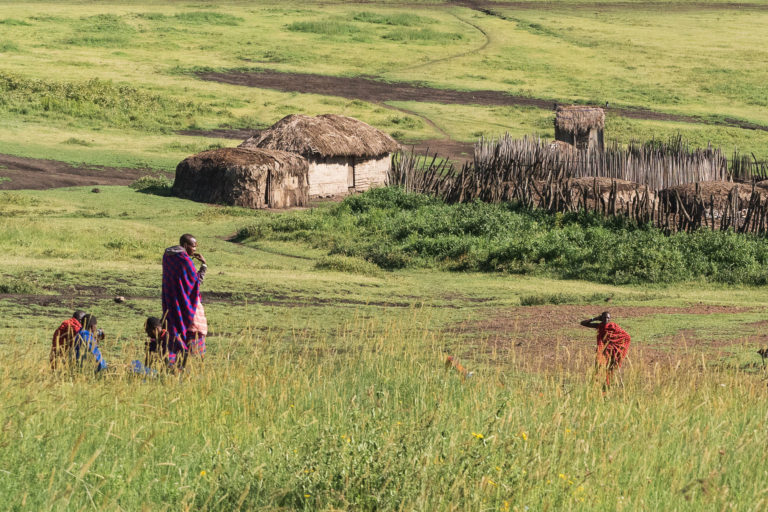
pixel 664 191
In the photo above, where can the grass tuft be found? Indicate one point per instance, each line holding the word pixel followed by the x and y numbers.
pixel 323 27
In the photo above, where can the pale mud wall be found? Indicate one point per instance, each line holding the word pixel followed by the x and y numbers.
pixel 330 176
pixel 292 190
pixel 371 173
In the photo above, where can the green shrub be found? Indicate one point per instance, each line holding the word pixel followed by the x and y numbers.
pixel 395 230
pixel 156 185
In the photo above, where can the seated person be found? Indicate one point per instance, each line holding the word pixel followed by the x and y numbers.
pixel 64 338
pixel 156 349
pixel 87 341
pixel 161 348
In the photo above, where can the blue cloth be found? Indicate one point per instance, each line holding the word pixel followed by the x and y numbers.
pixel 138 367
pixel 84 343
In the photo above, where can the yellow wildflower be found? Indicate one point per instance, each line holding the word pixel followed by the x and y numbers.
pixel 561 476
pixel 307 495
pixel 524 436
pixel 478 435
pixel 202 473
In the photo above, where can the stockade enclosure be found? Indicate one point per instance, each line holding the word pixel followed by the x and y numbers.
pixel 653 183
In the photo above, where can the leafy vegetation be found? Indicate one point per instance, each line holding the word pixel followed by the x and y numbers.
pixel 394 230
pixel 116 105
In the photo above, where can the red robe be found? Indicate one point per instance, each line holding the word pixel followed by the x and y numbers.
pixel 612 345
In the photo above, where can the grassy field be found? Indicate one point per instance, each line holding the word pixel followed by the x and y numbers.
pixel 135 61
pixel 326 388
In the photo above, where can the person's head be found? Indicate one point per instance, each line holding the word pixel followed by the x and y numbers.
pixel 153 326
pixel 189 243
pixel 78 315
pixel 605 317
pixel 89 322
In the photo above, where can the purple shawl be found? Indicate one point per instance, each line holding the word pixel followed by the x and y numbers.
pixel 181 291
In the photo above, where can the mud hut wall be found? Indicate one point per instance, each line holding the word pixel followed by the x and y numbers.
pixel 331 176
pixel 372 172
pixel 292 190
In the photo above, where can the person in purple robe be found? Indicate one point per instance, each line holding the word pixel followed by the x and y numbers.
pixel 183 313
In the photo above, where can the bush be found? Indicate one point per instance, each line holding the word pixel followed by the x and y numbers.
pixel 394 230
pixel 156 185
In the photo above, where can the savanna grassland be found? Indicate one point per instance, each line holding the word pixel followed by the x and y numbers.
pixel 324 386
pixel 111 84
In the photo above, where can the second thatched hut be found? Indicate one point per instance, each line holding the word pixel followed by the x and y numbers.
pixel 345 155
pixel 252 178
pixel 580 126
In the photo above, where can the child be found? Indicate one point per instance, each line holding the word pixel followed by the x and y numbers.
pixel 64 337
pixel 156 349
pixel 160 347
pixel 88 339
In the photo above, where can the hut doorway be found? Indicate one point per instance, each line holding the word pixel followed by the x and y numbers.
pixel 267 186
pixel 351 175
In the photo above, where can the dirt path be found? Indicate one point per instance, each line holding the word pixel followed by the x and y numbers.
pixel 378 91
pixel 458 55
pixel 38 174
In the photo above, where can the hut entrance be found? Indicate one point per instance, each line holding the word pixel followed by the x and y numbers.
pixel 267 187
pixel 351 175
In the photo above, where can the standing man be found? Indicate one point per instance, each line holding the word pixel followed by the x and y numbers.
pixel 183 312
pixel 612 344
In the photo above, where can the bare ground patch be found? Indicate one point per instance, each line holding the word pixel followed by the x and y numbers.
pixel 550 339
pixel 39 174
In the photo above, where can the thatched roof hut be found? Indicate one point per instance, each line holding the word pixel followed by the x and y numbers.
pixel 344 153
pixel 581 126
pixel 252 178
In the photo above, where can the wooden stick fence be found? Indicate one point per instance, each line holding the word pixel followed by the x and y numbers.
pixel 531 173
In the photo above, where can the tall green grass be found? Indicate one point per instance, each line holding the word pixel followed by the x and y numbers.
pixel 115 105
pixel 398 19
pixel 325 27
pixel 370 421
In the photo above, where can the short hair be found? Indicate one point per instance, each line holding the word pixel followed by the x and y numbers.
pixel 186 238
pixel 153 322
pixel 89 321
pixel 78 315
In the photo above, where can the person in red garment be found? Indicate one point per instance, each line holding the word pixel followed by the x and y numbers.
pixel 612 344
pixel 64 339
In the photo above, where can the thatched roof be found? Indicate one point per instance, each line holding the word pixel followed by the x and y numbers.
pixel 254 159
pixel 326 135
pixel 579 118
pixel 719 189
